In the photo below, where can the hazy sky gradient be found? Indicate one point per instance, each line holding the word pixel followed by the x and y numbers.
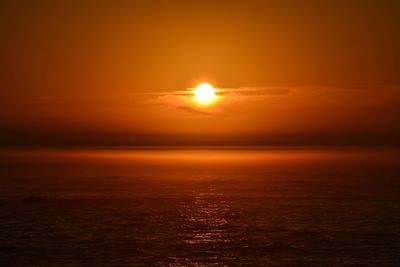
pixel 81 71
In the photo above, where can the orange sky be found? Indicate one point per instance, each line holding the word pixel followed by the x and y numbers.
pixel 81 70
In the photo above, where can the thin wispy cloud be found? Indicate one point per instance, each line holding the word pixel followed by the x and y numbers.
pixel 246 90
pixel 225 97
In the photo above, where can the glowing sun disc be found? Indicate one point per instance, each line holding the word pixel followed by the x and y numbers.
pixel 204 93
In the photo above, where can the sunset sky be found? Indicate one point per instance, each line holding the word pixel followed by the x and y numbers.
pixel 121 72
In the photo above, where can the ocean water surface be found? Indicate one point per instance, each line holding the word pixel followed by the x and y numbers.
pixel 200 207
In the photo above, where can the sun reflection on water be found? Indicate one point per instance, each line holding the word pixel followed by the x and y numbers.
pixel 206 218
pixel 205 228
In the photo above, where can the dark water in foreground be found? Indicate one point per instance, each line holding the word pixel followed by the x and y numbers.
pixel 200 208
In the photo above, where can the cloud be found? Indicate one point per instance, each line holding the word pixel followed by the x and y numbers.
pixel 226 97
pixel 245 90
pixel 194 110
pixel 182 102
pixel 260 91
pixel 287 101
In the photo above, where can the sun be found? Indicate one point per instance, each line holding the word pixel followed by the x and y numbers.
pixel 204 94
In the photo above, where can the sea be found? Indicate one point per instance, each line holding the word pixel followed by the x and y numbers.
pixel 202 206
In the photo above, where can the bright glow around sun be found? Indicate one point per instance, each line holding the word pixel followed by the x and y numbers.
pixel 204 93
